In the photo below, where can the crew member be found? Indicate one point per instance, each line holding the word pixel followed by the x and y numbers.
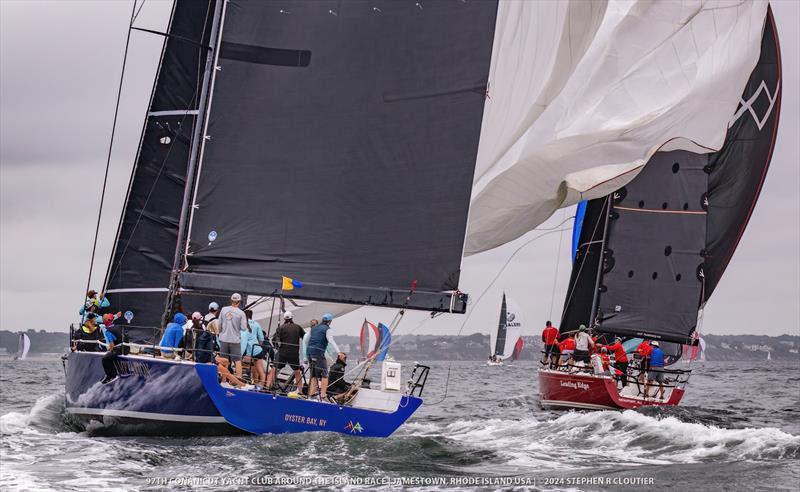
pixel 173 335
pixel 93 304
pixel 655 372
pixel 550 341
pixel 620 359
pixel 338 385
pixel 319 338
pixel 114 339
pixel 287 337
pixel 232 322
pixel 582 343
pixel 643 350
pixel 87 337
pixel 567 348
pixel 213 312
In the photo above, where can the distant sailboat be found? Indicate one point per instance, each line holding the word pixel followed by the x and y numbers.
pixel 769 356
pixel 23 347
pixel 506 343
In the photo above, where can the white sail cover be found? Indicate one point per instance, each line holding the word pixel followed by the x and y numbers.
pixel 582 93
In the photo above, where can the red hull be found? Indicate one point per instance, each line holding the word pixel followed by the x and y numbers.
pixel 587 391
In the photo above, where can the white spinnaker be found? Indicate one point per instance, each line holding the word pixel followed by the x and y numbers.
pixel 514 325
pixel 24 346
pixel 581 94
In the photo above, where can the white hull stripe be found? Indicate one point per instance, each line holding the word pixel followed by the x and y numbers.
pixel 179 112
pixel 146 415
pixel 142 289
pixel 572 404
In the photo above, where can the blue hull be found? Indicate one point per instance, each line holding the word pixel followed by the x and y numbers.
pixel 152 397
pixel 263 413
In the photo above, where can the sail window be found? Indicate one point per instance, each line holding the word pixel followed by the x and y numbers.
pixel 265 56
pixel 165 140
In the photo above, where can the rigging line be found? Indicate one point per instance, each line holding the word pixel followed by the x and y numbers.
pixel 138 11
pixel 558 261
pixel 500 272
pixel 110 149
pixel 161 168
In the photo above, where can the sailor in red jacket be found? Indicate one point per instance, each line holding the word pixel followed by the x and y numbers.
pixel 644 349
pixel 567 348
pixel 550 340
pixel 620 359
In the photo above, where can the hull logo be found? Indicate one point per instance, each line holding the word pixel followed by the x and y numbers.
pixel 354 428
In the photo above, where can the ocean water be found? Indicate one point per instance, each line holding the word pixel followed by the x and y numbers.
pixel 738 429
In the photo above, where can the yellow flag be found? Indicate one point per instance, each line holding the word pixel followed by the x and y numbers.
pixel 291 284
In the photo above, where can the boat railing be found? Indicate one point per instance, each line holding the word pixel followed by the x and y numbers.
pixel 678 377
pixel 152 349
pixel 417 381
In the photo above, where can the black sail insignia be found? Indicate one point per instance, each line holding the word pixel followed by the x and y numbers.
pixel 341 145
pixel 664 240
pixel 138 276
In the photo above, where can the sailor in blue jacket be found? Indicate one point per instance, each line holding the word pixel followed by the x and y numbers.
pixel 654 375
pixel 173 334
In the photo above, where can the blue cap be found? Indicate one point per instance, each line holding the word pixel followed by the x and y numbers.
pixel 327 317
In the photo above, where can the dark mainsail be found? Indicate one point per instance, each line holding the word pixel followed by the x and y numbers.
pixel 500 344
pixel 139 271
pixel 340 151
pixel 664 240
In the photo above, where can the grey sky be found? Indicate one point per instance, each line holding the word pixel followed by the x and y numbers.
pixel 59 68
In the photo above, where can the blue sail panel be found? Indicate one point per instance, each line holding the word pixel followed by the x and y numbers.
pixel 386 341
pixel 580 212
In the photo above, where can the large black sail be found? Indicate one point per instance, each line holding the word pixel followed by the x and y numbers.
pixel 738 170
pixel 666 237
pixel 502 328
pixel 340 151
pixel 139 272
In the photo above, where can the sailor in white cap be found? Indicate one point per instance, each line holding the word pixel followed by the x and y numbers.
pixel 232 322
pixel 213 312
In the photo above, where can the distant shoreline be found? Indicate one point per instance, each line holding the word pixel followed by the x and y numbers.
pixel 467 347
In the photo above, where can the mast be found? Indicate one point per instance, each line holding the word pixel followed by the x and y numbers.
pixel 596 294
pixel 197 140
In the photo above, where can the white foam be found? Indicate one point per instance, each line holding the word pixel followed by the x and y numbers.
pixel 588 439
